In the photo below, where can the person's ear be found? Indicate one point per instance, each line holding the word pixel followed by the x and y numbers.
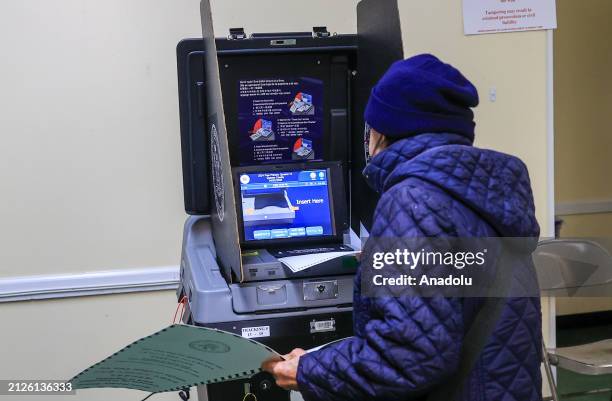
pixel 378 142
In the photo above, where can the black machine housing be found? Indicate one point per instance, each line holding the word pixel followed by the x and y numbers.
pixel 332 59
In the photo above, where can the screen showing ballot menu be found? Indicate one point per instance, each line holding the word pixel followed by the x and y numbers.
pixel 286 205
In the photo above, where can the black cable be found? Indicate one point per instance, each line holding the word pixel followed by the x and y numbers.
pixel 148 396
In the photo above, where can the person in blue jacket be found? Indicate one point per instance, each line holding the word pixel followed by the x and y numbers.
pixel 433 183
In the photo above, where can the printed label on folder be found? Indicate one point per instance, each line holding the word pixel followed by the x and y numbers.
pixel 256 332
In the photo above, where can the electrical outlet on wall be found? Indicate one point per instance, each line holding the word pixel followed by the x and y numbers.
pixel 493 95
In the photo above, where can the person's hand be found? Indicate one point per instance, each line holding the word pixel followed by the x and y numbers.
pixel 284 371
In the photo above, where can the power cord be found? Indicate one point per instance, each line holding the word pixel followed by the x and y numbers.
pixel 247 396
pixel 184 395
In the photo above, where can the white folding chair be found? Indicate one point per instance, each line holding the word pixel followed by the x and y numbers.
pixel 575 268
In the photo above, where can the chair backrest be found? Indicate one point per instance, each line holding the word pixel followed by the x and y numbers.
pixel 574 267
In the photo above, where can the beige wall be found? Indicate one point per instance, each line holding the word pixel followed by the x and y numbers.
pixel 89 147
pixel 583 100
pixel 89 151
pixel 514 64
pixel 281 16
pixel 90 163
pixel 57 339
pixel 583 140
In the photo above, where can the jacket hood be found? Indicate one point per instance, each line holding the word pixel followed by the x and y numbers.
pixel 494 185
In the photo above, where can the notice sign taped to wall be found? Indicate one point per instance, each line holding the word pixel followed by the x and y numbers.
pixel 498 16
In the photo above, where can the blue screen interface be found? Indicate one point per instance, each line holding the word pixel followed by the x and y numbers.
pixel 285 205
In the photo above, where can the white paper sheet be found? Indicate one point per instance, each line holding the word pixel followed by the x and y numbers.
pixel 325 345
pixel 303 262
pixel 494 16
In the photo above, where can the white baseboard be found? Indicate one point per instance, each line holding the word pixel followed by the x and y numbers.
pixel 584 207
pixel 84 284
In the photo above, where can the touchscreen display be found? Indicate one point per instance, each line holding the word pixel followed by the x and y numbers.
pixel 285 205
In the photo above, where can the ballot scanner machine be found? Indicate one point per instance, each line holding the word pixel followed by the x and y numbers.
pixel 272 140
pixel 269 250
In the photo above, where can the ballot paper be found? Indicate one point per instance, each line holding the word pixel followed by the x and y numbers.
pixel 303 262
pixel 177 357
pixel 308 351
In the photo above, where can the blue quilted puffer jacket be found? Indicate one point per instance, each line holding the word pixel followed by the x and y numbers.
pixel 436 185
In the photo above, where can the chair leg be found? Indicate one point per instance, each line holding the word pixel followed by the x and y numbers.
pixel 549 373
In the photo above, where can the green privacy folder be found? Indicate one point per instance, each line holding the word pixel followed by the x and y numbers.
pixel 176 357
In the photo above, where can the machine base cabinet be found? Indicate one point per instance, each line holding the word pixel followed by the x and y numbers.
pixel 284 334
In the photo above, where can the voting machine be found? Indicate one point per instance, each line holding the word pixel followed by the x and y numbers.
pixel 272 153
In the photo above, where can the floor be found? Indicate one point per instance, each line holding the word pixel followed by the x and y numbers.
pixel 570 382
